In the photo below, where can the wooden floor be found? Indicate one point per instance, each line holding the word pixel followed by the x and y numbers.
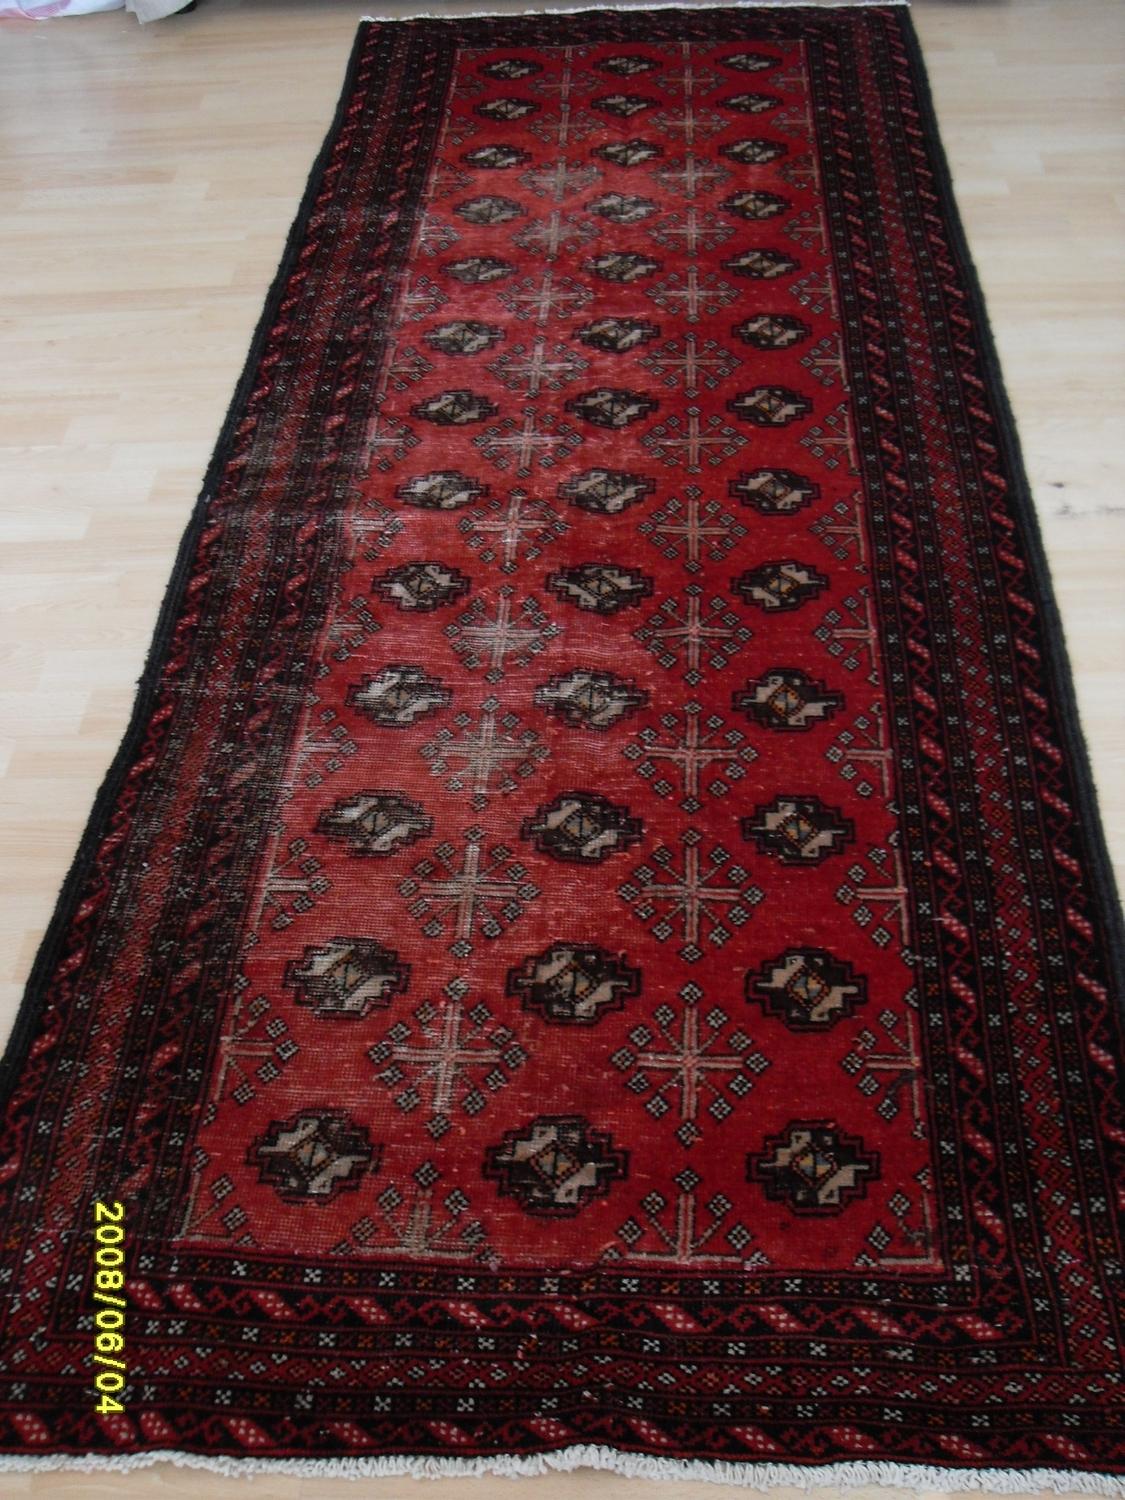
pixel 147 180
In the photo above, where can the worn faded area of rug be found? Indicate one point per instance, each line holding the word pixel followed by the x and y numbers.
pixel 597 942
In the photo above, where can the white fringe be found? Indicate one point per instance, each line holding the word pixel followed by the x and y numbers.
pixel 751 1475
pixel 570 10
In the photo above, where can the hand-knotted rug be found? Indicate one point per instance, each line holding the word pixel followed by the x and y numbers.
pixel 596 947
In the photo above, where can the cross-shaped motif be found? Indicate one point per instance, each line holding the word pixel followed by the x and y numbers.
pixel 842 529
pixel 692 176
pixel 698 898
pixel 435 1063
pixel 686 629
pixel 712 439
pixel 683 1238
pixel 698 294
pixel 487 641
pixel 890 1066
pixel 694 525
pixel 851 635
pixel 702 1070
pixel 388 441
pixel 529 443
pixel 693 744
pixel 413 1224
pixel 491 748
pixel 833 438
pixel 887 888
pixel 523 525
pixel 690 363
pixel 537 366
pixel 484 893
pixel 548 236
pixel 547 299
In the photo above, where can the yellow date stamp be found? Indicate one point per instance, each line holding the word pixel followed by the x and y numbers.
pixel 109 1307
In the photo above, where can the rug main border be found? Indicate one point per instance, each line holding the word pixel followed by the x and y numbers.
pixel 1090 831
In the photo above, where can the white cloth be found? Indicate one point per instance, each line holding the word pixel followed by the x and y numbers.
pixel 45 10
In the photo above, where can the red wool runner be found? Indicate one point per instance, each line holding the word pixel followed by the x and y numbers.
pixel 596 943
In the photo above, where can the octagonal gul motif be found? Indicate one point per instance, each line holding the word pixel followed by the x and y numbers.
pixel 314 1155
pixel 624 266
pixel 807 988
pixel 750 104
pixel 600 588
pixel 555 1165
pixel 785 698
pixel 755 203
pixel 589 699
pixel 489 208
pixel 608 406
pixel 774 492
pixel 446 489
pixel 617 335
pixel 755 151
pixel 582 828
pixel 606 492
pixel 421 586
pixel 761 265
pixel 455 408
pixel 798 830
pixel 813 1167
pixel 623 208
pixel 507 109
pixel 398 696
pixel 627 65
pixel 511 68
pixel 633 153
pixel 574 984
pixel 750 62
pixel 375 824
pixel 782 585
pixel 347 977
pixel 769 406
pixel 772 331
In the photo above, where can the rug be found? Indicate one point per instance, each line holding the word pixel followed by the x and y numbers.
pixel 596 947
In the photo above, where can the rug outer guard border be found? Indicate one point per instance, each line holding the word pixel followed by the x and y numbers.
pixel 749 1474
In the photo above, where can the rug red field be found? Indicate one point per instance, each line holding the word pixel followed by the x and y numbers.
pixel 597 942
